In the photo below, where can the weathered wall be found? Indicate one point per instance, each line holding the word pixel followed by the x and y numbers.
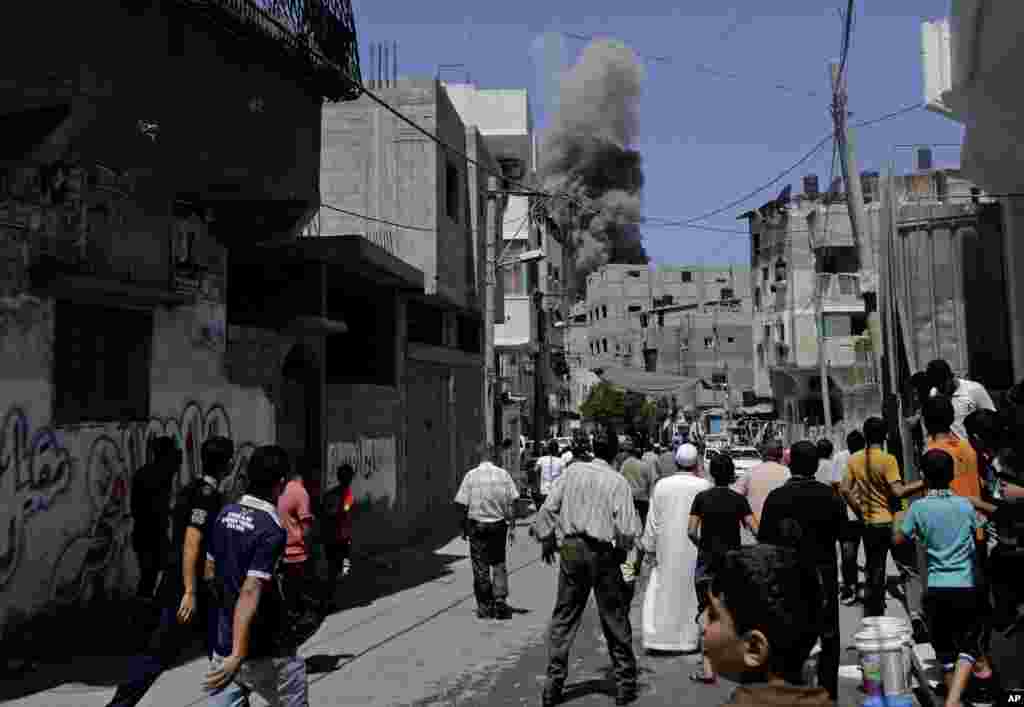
pixel 65 516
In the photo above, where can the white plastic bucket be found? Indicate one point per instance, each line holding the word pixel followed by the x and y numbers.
pixel 883 660
pixel 894 625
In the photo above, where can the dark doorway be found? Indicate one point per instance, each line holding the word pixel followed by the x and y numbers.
pixel 298 415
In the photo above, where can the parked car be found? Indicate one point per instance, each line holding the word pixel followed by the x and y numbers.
pixel 563 443
pixel 744 459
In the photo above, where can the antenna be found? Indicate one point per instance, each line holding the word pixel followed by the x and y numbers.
pixel 380 65
pixel 387 65
pixel 394 61
pixel 373 57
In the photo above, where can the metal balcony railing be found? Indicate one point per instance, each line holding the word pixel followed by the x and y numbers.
pixel 836 287
pixel 317 37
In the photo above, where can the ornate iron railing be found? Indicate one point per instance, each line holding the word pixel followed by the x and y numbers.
pixel 317 35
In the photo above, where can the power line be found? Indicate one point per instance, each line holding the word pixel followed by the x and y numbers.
pixel 700 67
pixel 378 220
pixel 846 38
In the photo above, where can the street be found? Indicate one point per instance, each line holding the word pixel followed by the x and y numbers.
pixel 422 645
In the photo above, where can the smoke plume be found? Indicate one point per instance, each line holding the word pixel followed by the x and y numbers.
pixel 587 155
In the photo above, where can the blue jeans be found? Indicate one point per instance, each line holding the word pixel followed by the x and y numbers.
pixel 279 681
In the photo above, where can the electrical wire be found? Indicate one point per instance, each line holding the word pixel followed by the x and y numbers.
pixel 846 39
pixel 700 67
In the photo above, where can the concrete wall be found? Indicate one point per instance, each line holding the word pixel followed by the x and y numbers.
pixel 65 513
pixel 377 165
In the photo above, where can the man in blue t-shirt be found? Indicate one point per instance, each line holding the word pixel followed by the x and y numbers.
pixel 945 524
pixel 245 552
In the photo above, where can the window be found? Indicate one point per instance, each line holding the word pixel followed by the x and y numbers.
pixel 425 323
pixel 764 274
pixel 709 342
pixel 782 332
pixel 604 311
pixel 635 308
pixel 719 378
pixel 757 299
pixel 469 330
pixel 604 343
pixel 101 364
pixel 727 293
pixel 687 276
pixel 837 325
pixel 451 184
pixel 731 339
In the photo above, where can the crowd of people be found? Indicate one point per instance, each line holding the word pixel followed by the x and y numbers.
pixel 238 575
pixel 615 515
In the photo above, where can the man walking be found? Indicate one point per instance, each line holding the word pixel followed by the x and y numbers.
pixel 853 528
pixel 151 511
pixel 487 497
pixel 806 515
pixel 965 395
pixel 181 600
pixel 254 651
pixel 641 477
pixel 670 602
pixel 592 510
pixel 764 478
pixel 338 504
pixel 549 469
pixel 294 510
pixel 666 464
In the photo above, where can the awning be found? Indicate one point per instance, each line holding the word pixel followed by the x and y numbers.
pixel 348 253
pixel 638 381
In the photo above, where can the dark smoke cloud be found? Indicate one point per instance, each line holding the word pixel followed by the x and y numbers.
pixel 587 154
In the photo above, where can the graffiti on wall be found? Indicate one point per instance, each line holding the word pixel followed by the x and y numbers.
pixel 90 468
pixel 373 459
pixel 34 469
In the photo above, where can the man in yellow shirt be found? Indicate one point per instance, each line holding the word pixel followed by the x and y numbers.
pixel 872 478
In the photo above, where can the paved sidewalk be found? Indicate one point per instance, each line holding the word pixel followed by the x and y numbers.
pixel 400 648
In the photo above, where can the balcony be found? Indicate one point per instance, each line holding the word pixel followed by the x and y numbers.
pixel 839 288
pixel 316 38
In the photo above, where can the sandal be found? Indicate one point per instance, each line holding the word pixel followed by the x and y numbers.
pixel 703 679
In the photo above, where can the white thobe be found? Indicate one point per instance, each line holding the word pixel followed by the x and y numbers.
pixel 670 603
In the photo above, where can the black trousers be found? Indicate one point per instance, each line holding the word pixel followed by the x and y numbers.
pixel 590 565
pixel 831 644
pixel 877 542
pixel 849 545
pixel 487 551
pixel 150 555
pixel 166 644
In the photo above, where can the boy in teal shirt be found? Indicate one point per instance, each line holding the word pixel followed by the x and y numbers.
pixel 945 525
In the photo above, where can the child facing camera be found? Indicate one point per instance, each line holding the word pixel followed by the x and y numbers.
pixel 756 629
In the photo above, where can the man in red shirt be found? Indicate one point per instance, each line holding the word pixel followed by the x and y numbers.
pixel 338 504
pixel 293 507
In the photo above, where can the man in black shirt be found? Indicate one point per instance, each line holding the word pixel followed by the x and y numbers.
pixel 150 505
pixel 806 515
pixel 195 509
pixel 715 519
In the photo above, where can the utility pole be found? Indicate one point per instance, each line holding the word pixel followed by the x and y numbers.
pixel 858 217
pixel 492 417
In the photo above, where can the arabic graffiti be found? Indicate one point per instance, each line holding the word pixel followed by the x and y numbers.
pixel 34 470
pixel 91 467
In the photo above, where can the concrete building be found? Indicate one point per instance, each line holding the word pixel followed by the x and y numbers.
pixel 505 122
pixel 970 59
pixel 785 272
pixel 409 379
pixel 122 211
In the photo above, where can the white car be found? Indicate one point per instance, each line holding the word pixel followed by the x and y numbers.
pixel 744 459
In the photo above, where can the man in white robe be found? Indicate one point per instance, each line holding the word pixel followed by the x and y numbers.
pixel 670 603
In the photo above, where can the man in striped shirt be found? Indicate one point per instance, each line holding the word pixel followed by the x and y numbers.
pixel 487 496
pixel 592 511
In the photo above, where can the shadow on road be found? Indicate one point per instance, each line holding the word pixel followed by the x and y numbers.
pixel 94 645
pixel 325 663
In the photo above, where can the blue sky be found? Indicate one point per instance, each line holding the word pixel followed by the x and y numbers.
pixel 705 140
